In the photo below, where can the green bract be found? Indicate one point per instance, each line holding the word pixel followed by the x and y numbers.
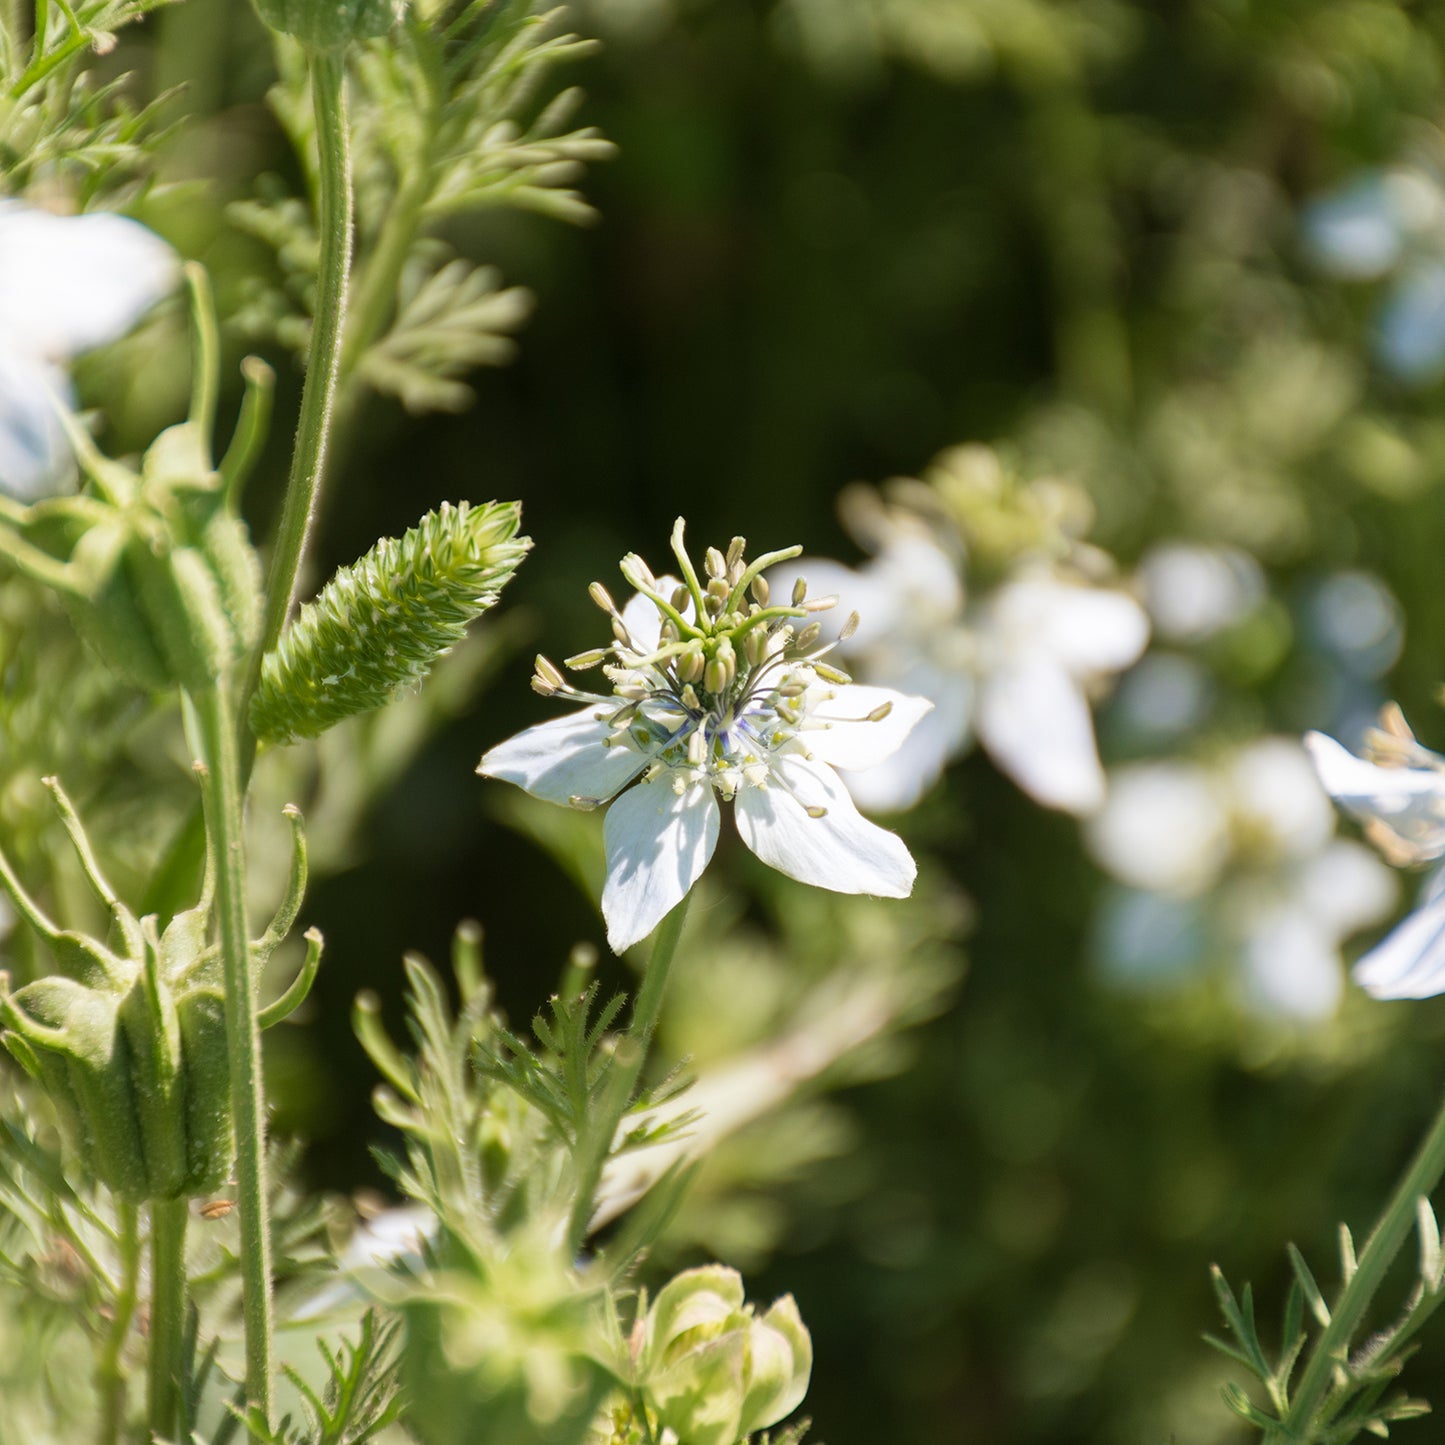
pixel 130 1040
pixel 380 625
pixel 155 566
pixel 712 1370
pixel 331 24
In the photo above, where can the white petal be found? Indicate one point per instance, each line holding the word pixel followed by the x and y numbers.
pixel 841 850
pixel 1035 723
pixel 939 736
pixel 1347 887
pixel 848 738
pixel 1086 630
pixel 68 283
pixel 658 842
pixel 1409 801
pixel 1292 966
pixel 1410 962
pixel 35 456
pixel 564 759
pixel 881 608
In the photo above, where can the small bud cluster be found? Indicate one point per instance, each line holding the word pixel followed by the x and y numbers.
pixel 728 676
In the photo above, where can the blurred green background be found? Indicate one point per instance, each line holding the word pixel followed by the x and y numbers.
pixel 838 237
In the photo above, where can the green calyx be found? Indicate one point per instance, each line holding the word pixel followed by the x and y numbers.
pixel 130 1040
pixel 331 24
pixel 154 566
pixel 380 625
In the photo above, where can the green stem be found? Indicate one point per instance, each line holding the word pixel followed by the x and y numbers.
pixel 596 1144
pixel 110 1377
pixel 323 362
pixel 168 1315
pixel 1390 1234
pixel 222 794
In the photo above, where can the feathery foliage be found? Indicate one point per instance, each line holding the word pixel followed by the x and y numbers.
pixel 380 625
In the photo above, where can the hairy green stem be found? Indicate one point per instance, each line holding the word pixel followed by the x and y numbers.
pixel 1386 1241
pixel 323 362
pixel 627 1067
pixel 110 1376
pixel 222 794
pixel 168 1315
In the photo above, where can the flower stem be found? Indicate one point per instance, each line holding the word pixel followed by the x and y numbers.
pixel 110 1377
pixel 222 793
pixel 323 361
pixel 631 1054
pixel 168 1314
pixel 1384 1243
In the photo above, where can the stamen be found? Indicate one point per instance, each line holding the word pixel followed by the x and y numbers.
pixel 849 627
pixel 880 712
pixel 760 590
pixel 603 598
pixel 800 591
pixel 736 548
pixel 819 604
pixel 584 660
pixel 716 565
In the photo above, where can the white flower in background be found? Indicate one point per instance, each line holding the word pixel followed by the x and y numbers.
pixel 1398 792
pixel 1238 857
pixel 716 692
pixel 1391 223
pixel 1193 591
pixel 1015 662
pixel 67 284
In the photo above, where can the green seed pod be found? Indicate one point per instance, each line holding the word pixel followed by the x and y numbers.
pixel 331 24
pixel 380 625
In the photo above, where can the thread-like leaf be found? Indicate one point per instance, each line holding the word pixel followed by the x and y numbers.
pixel 380 625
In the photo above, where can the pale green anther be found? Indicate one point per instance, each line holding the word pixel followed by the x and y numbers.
pixel 636 573
pixel 603 598
pixel 690 698
pixel 828 673
pixel 800 591
pixel 620 632
pixel 691 665
pixel 680 598
pixel 715 676
pixel 716 565
pixel 755 647
pixel 808 637
pixel 819 604
pixel 736 548
pixel 668 633
pixel 760 590
pixel 849 627
pixel 880 712
pixel 592 658
pixel 816 811
pixel 549 673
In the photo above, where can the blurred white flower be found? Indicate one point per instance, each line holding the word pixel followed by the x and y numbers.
pixel 67 284
pixel 739 704
pixel 1016 664
pixel 1192 591
pixel 1239 854
pixel 1391 223
pixel 1398 793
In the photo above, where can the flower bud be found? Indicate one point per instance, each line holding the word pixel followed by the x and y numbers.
pixel 715 1372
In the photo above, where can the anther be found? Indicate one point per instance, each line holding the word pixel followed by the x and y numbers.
pixel 547 678
pixel 717 567
pixel 680 598
pixel 760 589
pixel 637 573
pixel 880 712
pixel 603 598
pixel 592 658
pixel 816 812
pixel 828 673
pixel 819 604
pixel 736 548
pixel 849 627
pixel 800 591
pixel 690 666
pixel 809 636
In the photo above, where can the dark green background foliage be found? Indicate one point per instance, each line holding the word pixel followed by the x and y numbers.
pixel 840 235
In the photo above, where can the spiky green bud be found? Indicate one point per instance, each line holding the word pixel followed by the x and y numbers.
pixel 380 625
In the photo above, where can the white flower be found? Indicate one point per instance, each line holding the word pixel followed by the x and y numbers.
pixel 1016 664
pixel 1398 793
pixel 1240 856
pixel 714 695
pixel 67 284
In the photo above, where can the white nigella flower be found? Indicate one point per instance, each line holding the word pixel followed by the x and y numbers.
pixel 1237 858
pixel 1015 664
pixel 715 692
pixel 1398 792
pixel 67 284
